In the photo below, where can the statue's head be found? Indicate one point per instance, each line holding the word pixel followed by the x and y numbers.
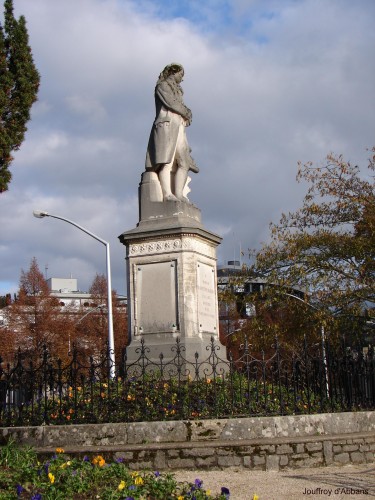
pixel 171 69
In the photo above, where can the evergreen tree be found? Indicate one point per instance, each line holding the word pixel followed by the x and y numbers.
pixel 19 83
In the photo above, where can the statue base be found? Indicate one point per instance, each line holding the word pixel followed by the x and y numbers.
pixel 171 278
pixel 153 210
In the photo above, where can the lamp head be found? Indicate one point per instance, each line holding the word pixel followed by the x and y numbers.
pixel 40 214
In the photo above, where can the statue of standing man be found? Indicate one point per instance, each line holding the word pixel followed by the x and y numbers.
pixel 168 152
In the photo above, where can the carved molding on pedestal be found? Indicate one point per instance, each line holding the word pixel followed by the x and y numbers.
pixel 171 245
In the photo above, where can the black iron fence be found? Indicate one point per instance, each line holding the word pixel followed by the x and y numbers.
pixel 172 387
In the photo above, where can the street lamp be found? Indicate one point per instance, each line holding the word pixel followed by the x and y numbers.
pixel 323 337
pixel 111 344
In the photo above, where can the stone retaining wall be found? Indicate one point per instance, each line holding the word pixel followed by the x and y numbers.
pixel 269 443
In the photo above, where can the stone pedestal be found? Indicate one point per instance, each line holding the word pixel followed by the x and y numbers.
pixel 172 289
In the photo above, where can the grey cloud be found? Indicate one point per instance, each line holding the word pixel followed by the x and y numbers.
pixel 294 83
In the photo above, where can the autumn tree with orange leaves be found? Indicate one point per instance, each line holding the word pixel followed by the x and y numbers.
pixel 37 319
pixel 91 335
pixel 327 247
pixel 34 320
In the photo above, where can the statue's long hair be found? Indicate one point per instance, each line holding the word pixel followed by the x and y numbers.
pixel 171 69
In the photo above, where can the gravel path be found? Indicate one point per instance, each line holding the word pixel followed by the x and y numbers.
pixel 348 482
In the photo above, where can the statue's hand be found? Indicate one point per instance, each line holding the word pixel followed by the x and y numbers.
pixel 193 166
pixel 189 116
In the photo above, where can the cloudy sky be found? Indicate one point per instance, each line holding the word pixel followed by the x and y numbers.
pixel 269 82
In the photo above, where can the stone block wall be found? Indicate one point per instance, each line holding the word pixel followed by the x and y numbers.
pixel 276 455
pixel 269 443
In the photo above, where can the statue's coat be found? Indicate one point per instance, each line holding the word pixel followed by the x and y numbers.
pixel 171 114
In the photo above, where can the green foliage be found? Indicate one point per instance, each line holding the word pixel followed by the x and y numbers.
pixel 21 461
pixel 19 83
pixel 327 247
pixel 23 476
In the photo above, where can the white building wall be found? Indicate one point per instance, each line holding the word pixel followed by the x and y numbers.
pixel 62 284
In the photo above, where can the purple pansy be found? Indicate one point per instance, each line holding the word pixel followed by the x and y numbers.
pixel 225 491
pixel 198 483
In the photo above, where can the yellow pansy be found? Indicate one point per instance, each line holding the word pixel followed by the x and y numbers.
pixel 65 465
pixel 121 486
pixel 51 477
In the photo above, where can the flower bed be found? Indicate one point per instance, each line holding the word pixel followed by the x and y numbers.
pixel 23 476
pixel 151 398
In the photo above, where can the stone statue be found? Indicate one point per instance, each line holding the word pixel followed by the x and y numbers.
pixel 168 152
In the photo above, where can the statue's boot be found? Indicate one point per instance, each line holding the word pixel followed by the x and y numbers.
pixel 165 182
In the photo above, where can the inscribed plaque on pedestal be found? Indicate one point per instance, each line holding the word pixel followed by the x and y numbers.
pixel 207 315
pixel 156 297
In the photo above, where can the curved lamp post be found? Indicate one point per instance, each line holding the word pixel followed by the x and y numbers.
pixel 111 344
